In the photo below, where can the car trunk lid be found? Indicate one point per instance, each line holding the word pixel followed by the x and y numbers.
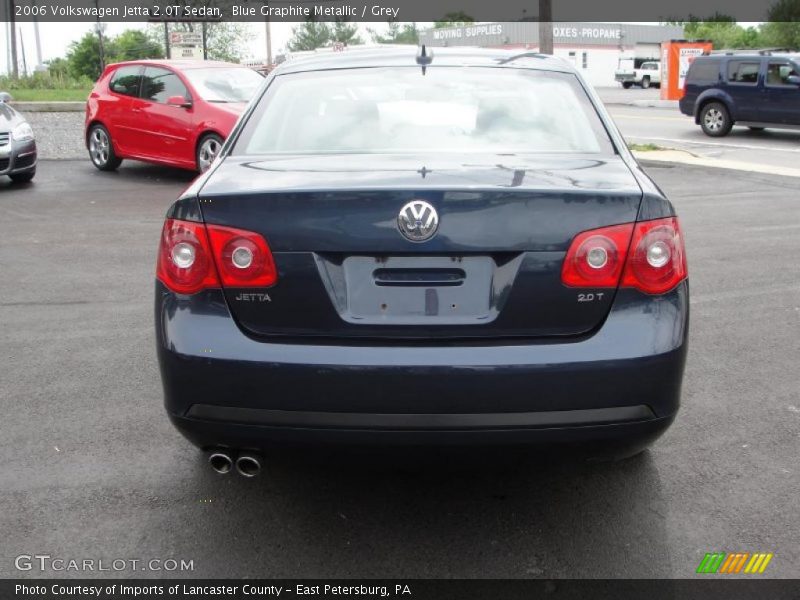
pixel 493 268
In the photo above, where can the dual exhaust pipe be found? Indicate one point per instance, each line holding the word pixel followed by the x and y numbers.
pixel 223 461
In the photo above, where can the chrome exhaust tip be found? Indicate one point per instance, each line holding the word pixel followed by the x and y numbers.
pixel 248 465
pixel 221 462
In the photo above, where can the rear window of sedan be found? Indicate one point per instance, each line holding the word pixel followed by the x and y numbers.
pixel 447 109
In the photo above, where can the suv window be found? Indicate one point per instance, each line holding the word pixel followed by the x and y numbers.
pixel 125 80
pixel 779 71
pixel 649 66
pixel 743 72
pixel 703 70
pixel 160 84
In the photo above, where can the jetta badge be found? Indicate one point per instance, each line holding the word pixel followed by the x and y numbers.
pixel 418 221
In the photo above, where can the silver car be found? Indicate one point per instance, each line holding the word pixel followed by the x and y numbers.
pixel 17 144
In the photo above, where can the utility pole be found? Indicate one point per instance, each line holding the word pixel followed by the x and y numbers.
pixel 39 65
pixel 12 27
pixel 546 26
pixel 24 62
pixel 205 43
pixel 167 53
pixel 269 43
pixel 99 29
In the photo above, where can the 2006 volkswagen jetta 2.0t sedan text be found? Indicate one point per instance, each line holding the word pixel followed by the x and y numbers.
pixel 405 249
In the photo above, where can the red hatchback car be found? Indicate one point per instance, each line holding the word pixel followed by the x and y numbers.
pixel 172 112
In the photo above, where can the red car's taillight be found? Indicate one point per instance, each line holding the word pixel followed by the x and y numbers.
pixel 648 256
pixel 193 257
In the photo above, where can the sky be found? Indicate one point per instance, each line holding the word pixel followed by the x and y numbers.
pixel 56 37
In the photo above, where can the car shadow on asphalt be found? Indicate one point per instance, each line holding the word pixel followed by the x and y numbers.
pixel 138 170
pixel 443 515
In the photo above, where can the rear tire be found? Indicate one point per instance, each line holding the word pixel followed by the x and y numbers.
pixel 23 177
pixel 207 150
pixel 645 83
pixel 715 120
pixel 626 85
pixel 101 150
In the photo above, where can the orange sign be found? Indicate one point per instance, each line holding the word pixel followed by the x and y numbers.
pixel 676 57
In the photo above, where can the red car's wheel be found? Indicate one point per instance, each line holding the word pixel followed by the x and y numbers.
pixel 207 151
pixel 101 150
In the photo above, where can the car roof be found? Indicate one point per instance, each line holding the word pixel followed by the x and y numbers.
pixel 180 65
pixel 396 55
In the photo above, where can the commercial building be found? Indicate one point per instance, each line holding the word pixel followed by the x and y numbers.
pixel 594 48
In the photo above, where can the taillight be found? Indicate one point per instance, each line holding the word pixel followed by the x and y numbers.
pixel 243 257
pixel 657 259
pixel 184 258
pixel 193 256
pixel 596 258
pixel 648 256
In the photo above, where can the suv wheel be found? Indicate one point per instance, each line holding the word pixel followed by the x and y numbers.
pixel 645 82
pixel 715 120
pixel 101 150
pixel 626 85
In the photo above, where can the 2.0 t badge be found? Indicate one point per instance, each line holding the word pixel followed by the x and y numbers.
pixel 418 221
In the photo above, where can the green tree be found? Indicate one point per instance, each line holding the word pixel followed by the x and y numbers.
pixel 309 36
pixel 226 41
pixel 345 32
pixel 58 68
pixel 133 44
pixel 723 31
pixel 396 33
pixel 83 56
pixel 783 28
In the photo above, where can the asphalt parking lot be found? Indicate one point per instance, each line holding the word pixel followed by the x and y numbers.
pixel 92 469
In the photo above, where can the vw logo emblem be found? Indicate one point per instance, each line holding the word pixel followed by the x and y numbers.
pixel 418 221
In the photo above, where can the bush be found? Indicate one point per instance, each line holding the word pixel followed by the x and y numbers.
pixel 45 81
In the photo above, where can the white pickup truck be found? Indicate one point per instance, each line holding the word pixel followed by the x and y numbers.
pixel 648 73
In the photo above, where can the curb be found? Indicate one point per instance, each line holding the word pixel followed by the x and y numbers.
pixel 54 106
pixel 687 158
pixel 655 103
pixel 643 103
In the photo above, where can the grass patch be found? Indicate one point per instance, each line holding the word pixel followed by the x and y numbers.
pixel 35 95
pixel 644 147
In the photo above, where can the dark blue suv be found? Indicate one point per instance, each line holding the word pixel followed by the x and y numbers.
pixel 756 91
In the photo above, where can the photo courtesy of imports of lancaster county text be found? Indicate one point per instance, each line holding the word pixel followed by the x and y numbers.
pixel 394 10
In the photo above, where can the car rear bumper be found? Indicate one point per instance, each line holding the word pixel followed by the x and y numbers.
pixel 223 388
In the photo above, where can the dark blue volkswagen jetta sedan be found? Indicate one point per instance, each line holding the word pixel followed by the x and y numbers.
pixel 400 248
